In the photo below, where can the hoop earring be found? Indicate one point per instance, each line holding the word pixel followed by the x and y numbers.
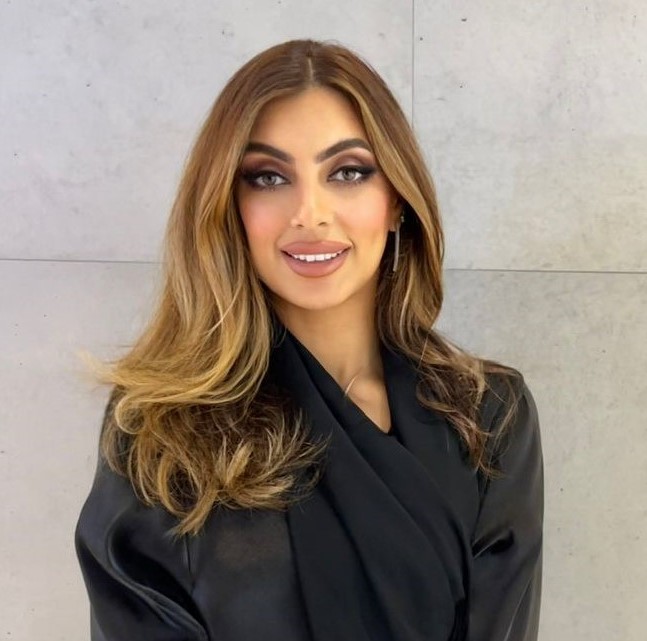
pixel 396 253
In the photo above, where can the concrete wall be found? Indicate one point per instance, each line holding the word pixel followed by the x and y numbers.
pixel 532 117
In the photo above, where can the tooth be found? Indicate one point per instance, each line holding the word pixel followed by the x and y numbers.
pixel 310 258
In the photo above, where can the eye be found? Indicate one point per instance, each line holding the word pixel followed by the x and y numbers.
pixel 256 179
pixel 354 174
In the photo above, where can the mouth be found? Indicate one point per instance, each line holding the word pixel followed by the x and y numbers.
pixel 315 265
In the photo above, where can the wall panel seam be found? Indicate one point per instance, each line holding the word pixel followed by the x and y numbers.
pixel 447 269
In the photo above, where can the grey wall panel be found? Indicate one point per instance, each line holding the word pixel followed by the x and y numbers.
pixel 50 416
pixel 101 102
pixel 579 341
pixel 532 118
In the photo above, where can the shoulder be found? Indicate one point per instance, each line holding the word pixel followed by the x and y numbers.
pixel 508 412
pixel 504 392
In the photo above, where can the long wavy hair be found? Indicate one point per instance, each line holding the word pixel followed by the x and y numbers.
pixel 188 420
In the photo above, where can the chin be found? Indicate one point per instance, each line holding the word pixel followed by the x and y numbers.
pixel 320 294
pixel 313 303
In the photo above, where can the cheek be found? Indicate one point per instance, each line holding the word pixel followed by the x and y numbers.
pixel 261 224
pixel 369 215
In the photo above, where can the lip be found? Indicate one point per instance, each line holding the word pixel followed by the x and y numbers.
pixel 315 269
pixel 319 247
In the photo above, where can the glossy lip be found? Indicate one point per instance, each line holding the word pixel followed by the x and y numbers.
pixel 315 269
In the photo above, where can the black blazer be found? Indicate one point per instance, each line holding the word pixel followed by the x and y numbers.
pixel 401 540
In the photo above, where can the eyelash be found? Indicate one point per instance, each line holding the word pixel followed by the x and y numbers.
pixel 365 173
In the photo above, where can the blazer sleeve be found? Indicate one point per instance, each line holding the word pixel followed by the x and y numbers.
pixel 137 578
pixel 505 590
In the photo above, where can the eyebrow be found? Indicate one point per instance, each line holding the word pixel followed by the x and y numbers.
pixel 338 147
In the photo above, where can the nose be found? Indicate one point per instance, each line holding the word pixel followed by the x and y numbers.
pixel 313 207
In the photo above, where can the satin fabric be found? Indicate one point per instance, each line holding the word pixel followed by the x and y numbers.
pixel 400 541
pixel 384 540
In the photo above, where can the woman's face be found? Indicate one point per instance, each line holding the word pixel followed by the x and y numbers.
pixel 309 188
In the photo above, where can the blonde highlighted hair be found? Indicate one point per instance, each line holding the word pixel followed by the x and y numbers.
pixel 188 421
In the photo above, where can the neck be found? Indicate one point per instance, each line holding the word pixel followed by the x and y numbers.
pixel 345 342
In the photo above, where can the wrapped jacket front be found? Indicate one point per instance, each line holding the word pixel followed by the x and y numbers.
pixel 400 541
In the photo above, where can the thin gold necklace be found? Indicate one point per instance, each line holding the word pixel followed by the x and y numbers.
pixel 352 380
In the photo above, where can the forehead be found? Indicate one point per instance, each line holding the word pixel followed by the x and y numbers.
pixel 315 112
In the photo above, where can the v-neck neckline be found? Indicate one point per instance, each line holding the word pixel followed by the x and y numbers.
pixel 329 386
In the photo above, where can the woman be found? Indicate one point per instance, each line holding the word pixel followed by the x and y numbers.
pixel 290 450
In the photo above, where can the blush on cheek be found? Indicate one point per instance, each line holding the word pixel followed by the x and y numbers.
pixel 372 222
pixel 259 222
pixel 263 228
